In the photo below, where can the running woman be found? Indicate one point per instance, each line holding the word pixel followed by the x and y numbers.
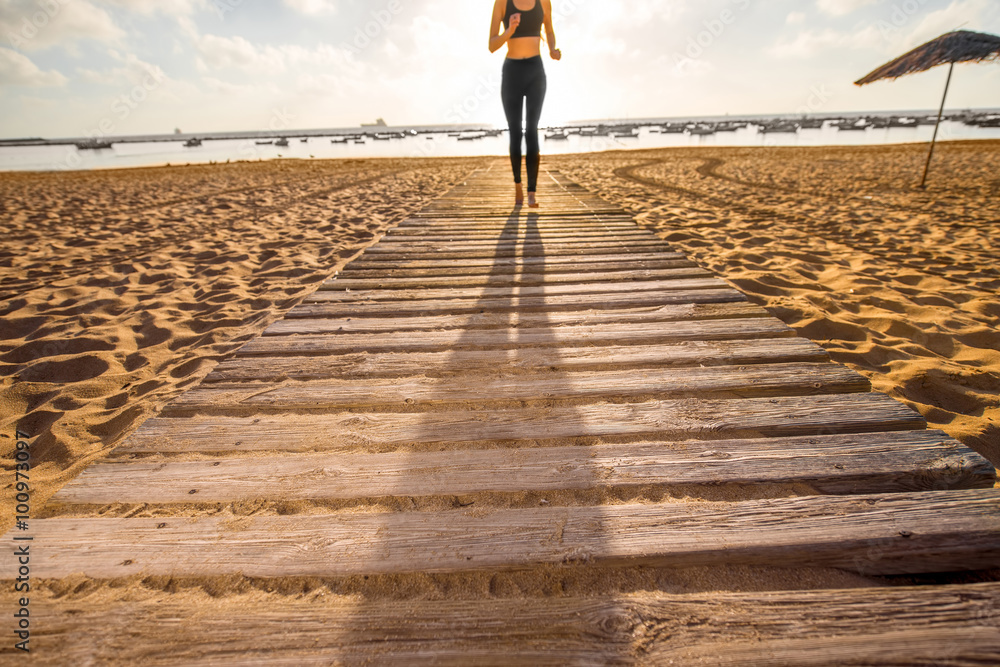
pixel 524 79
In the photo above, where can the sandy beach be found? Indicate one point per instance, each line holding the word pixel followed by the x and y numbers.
pixel 122 289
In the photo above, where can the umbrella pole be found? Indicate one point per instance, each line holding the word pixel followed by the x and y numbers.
pixel 930 154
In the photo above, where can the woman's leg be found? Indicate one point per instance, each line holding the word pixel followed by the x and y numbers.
pixel 535 94
pixel 512 94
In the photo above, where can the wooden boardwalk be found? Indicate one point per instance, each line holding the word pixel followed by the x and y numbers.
pixel 490 391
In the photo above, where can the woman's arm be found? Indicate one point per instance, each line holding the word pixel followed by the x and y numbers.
pixel 497 38
pixel 550 33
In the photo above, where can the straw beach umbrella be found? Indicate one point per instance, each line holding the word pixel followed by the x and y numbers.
pixel 959 46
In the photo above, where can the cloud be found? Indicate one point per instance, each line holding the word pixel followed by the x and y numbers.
pixel 224 52
pixel 35 26
pixel 810 43
pixel 970 14
pixel 795 18
pixel 312 7
pixel 842 7
pixel 166 7
pixel 17 70
pixel 131 71
pixel 232 90
pixel 219 53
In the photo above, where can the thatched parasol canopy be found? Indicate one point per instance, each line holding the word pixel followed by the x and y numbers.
pixel 959 46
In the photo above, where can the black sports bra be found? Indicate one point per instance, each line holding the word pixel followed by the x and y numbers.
pixel 531 20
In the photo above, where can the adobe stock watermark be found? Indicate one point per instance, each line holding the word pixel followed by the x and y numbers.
pixel 486 90
pixel 223 7
pixel 381 19
pixel 280 120
pixel 121 108
pixel 818 99
pixel 565 9
pixel 32 25
pixel 700 43
pixel 899 16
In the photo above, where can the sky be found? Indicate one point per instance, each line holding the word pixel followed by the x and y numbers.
pixel 73 68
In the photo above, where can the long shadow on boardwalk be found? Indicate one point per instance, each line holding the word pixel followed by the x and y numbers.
pixel 522 231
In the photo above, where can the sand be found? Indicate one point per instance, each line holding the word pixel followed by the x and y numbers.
pixel 121 289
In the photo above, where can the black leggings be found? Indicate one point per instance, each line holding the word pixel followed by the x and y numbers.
pixel 524 80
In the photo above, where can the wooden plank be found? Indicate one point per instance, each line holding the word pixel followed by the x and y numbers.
pixel 588 270
pixel 579 218
pixel 493 227
pixel 878 463
pixel 635 260
pixel 681 279
pixel 442 364
pixel 507 320
pixel 471 282
pixel 343 394
pixel 597 230
pixel 500 240
pixel 678 419
pixel 460 211
pixel 324 339
pixel 535 248
pixel 939 625
pixel 713 292
pixel 543 250
pixel 483 200
pixel 933 531
pixel 485 236
pixel 512 234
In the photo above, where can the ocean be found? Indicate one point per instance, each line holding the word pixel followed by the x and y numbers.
pixel 454 141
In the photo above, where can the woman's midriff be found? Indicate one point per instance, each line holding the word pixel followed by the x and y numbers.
pixel 524 47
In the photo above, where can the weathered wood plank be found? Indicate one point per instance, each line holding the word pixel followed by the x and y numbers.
pixel 499 221
pixel 933 531
pixel 496 227
pixel 472 282
pixel 442 364
pixel 718 292
pixel 634 260
pixel 481 389
pixel 540 250
pixel 522 232
pixel 492 234
pixel 668 420
pixel 530 320
pixel 502 238
pixel 456 209
pixel 589 271
pixel 526 249
pixel 681 279
pixel 502 241
pixel 703 281
pixel 325 336
pixel 940 625
pixel 876 463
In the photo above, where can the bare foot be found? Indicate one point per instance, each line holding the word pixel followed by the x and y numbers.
pixel 518 194
pixel 531 200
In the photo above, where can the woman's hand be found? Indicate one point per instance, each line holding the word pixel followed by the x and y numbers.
pixel 555 54
pixel 515 20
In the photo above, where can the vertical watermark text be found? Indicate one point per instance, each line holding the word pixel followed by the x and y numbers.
pixel 22 540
